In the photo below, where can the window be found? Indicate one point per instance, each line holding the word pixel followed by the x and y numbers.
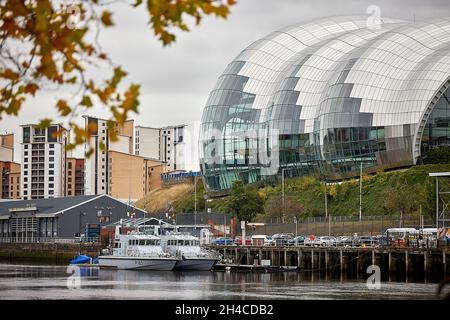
pixel 51 134
pixel 51 185
pixel 25 173
pixel 25 179
pixel 25 166
pixel 25 159
pixel 25 153
pixel 18 179
pixel 51 172
pixel 26 135
pixel 50 192
pixel 25 192
pixel 52 152
pixel 51 165
pixel 69 180
pixel 69 192
pixel 51 179
pixel 51 146
pixel 25 146
pixel 51 159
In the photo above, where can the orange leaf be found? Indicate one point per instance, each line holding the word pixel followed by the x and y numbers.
pixel 31 88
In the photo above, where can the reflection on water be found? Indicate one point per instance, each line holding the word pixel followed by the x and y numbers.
pixel 50 282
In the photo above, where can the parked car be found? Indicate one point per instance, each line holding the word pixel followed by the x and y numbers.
pixel 238 241
pixel 282 239
pixel 383 241
pixel 262 240
pixel 223 241
pixel 367 241
pixel 345 241
pixel 325 241
pixel 297 241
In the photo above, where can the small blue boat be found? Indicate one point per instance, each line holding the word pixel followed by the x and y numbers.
pixel 81 259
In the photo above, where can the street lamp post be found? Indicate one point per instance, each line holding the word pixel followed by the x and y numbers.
pixel 296 226
pixel 81 216
pixel 326 200
pixel 282 193
pixel 360 192
pixel 195 201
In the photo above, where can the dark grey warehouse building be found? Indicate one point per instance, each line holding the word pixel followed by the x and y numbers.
pixel 66 217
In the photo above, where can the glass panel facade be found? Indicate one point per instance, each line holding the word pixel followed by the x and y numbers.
pixel 322 100
pixel 437 129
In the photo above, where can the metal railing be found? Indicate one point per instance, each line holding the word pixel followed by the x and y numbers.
pixel 47 240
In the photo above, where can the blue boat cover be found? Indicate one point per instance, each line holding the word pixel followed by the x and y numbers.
pixel 82 258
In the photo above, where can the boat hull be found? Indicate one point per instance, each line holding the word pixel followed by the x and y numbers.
pixel 136 263
pixel 195 264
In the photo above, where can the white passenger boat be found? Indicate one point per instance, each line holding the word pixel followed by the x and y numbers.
pixel 140 251
pixel 187 248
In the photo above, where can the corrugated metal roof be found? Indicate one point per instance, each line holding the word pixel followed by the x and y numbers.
pixel 49 206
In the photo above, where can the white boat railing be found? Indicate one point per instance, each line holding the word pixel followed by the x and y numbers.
pixel 47 240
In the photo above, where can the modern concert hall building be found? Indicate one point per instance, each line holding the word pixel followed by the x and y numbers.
pixel 327 97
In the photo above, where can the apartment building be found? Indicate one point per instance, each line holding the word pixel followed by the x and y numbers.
pixel 43 169
pixel 164 144
pixel 9 170
pixel 132 177
pixel 10 180
pixel 7 147
pixel 97 165
pixel 74 177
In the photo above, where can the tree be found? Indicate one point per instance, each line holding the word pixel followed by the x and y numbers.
pixel 274 207
pixel 52 44
pixel 244 202
pixel 400 200
pixel 438 155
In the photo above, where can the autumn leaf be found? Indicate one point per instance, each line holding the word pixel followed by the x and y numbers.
pixel 9 75
pixel 31 88
pixel 63 108
pixel 44 123
pixel 106 19
pixel 86 101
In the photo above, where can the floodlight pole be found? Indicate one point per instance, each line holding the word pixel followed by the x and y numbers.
pixel 360 192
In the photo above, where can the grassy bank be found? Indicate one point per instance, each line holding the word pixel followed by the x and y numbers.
pixel 407 192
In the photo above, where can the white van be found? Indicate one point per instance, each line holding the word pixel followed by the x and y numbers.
pixel 262 240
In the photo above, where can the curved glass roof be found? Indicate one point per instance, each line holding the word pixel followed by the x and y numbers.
pixel 313 79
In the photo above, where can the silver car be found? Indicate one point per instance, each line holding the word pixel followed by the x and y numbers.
pixel 325 241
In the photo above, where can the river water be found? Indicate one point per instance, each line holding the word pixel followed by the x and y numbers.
pixel 61 282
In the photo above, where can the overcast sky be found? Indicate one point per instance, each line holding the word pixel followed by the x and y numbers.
pixel 176 80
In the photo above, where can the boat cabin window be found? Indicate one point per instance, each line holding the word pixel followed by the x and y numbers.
pixel 117 245
pixel 180 242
